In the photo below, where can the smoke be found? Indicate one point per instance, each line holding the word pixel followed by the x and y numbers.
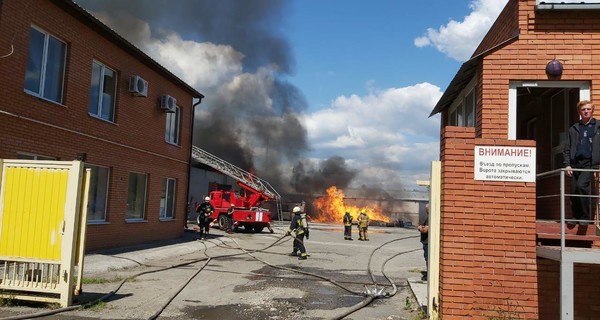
pixel 233 53
pixel 309 178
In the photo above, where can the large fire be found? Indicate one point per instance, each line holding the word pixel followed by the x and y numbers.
pixel 331 208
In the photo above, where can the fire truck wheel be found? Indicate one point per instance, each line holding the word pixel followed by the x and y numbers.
pixel 258 229
pixel 222 222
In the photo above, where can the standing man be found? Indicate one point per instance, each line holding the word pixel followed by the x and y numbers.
pixel 230 218
pixel 300 227
pixel 347 226
pixel 582 151
pixel 363 225
pixel 204 210
pixel 424 230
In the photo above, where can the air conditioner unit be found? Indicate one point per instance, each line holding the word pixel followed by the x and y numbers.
pixel 138 86
pixel 168 103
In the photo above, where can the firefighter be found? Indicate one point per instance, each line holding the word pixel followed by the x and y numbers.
pixel 230 218
pixel 204 210
pixel 363 224
pixel 300 228
pixel 347 226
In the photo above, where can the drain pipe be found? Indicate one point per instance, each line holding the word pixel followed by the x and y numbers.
pixel 189 175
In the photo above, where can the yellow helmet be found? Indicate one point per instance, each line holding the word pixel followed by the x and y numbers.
pixel 363 211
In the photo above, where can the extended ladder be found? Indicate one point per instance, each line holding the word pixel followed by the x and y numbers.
pixel 237 173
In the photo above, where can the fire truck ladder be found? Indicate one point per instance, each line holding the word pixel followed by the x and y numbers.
pixel 243 176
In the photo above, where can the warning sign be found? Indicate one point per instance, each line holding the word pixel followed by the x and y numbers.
pixel 497 163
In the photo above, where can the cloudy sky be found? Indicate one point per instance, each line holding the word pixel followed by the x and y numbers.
pixel 310 93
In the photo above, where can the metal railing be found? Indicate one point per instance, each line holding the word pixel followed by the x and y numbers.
pixel 563 194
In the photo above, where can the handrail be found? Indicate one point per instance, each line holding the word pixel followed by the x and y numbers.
pixel 563 194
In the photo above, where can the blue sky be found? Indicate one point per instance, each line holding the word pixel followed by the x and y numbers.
pixel 346 47
pixel 366 74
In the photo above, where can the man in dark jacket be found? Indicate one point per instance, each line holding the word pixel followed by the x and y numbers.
pixel 300 227
pixel 582 151
pixel 204 210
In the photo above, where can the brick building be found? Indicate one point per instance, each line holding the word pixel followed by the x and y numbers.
pixel 500 251
pixel 72 88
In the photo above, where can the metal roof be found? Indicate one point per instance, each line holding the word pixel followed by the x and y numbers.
pixel 463 76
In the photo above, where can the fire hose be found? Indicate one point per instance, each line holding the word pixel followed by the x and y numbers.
pixel 370 295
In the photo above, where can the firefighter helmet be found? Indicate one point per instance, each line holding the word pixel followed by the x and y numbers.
pixel 296 209
pixel 232 205
pixel 363 211
pixel 207 199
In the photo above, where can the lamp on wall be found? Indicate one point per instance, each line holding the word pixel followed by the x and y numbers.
pixel 81 156
pixel 554 68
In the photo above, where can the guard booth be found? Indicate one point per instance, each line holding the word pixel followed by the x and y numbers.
pixel 43 214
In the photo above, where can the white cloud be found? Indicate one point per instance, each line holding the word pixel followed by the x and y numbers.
pixel 384 135
pixel 459 39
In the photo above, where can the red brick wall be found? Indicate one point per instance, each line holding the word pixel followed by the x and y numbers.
pixel 134 142
pixel 586 290
pixel 488 260
pixel 487 235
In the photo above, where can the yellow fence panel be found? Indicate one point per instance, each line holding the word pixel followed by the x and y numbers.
pixel 33 212
pixel 43 213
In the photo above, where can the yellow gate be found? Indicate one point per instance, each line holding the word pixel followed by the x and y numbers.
pixel 42 229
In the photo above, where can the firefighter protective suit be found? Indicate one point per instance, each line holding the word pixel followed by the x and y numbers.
pixel 348 226
pixel 204 210
pixel 363 225
pixel 299 227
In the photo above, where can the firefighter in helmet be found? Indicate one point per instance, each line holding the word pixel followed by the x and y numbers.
pixel 300 228
pixel 363 224
pixel 347 226
pixel 204 210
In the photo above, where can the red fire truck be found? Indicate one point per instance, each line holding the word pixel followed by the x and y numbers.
pixel 248 211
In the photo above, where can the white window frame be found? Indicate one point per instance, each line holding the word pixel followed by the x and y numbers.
pixel 95 190
pixel 167 200
pixel 32 156
pixel 173 125
pixel 584 94
pixel 99 103
pixel 457 113
pixel 40 91
pixel 130 214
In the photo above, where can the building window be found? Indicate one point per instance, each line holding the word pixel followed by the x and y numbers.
pixel 136 196
pixel 167 200
pixel 102 92
pixel 172 128
pixel 30 156
pixel 45 66
pixel 462 113
pixel 98 193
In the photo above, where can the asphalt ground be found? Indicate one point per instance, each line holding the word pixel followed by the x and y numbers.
pixel 250 276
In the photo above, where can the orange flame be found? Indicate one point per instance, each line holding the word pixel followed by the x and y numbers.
pixel 331 208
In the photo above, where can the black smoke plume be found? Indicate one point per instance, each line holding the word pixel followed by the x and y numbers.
pixel 309 178
pixel 252 121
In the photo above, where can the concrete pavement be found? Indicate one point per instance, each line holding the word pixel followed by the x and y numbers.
pixel 122 258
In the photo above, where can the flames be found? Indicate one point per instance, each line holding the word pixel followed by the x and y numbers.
pixel 331 208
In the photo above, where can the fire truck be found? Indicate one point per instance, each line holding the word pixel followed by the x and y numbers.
pixel 248 211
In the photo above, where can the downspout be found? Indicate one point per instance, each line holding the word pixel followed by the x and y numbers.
pixel 189 175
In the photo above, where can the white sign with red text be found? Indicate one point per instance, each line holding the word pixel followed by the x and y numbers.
pixel 497 163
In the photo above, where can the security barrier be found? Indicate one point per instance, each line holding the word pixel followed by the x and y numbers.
pixel 43 214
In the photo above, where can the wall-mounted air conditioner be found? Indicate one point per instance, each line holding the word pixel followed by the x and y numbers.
pixel 138 86
pixel 168 103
